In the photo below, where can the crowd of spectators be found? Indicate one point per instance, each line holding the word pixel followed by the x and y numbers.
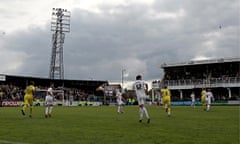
pixel 202 74
pixel 207 72
pixel 208 75
pixel 11 92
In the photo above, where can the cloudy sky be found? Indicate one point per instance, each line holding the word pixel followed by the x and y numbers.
pixel 108 36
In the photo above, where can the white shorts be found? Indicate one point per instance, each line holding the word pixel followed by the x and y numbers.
pixel 49 100
pixel 141 100
pixel 208 101
pixel 119 102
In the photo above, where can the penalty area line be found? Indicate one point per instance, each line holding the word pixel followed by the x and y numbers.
pixel 10 142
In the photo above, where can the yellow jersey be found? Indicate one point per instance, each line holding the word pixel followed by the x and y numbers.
pixel 29 91
pixel 203 96
pixel 203 93
pixel 165 93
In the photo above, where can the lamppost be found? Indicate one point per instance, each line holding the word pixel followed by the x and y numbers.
pixel 123 70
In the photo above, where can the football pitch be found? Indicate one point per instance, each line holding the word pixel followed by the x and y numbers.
pixel 103 125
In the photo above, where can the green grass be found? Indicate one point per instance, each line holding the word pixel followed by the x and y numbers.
pixel 102 125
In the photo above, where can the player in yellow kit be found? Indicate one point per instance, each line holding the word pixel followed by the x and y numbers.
pixel 28 98
pixel 166 96
pixel 203 98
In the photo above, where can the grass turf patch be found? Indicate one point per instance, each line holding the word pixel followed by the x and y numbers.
pixel 104 125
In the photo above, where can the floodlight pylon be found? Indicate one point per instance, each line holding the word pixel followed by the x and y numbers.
pixel 60 25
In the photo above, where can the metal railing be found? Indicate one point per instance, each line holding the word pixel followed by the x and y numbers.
pixel 199 83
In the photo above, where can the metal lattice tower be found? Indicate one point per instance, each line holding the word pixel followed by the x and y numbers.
pixel 60 24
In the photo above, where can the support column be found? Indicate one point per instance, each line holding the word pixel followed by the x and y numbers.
pixel 181 94
pixel 153 95
pixel 229 93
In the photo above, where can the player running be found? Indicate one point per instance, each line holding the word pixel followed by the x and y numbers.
pixel 141 87
pixel 49 100
pixel 209 97
pixel 28 98
pixel 166 96
pixel 119 101
pixel 203 98
pixel 193 99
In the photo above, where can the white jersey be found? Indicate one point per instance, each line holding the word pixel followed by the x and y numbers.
pixel 71 98
pixel 139 86
pixel 209 97
pixel 193 97
pixel 119 98
pixel 50 91
pixel 49 97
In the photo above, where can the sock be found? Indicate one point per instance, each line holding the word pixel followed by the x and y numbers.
pixel 24 107
pixel 141 113
pixel 208 107
pixel 146 112
pixel 119 109
pixel 46 111
pixel 50 111
pixel 166 108
pixel 169 111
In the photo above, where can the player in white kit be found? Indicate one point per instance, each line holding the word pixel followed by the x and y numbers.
pixel 193 99
pixel 140 88
pixel 49 100
pixel 119 101
pixel 209 98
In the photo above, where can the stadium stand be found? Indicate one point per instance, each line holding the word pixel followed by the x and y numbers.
pixel 222 76
pixel 12 88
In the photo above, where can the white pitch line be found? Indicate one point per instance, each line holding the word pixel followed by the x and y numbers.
pixel 10 142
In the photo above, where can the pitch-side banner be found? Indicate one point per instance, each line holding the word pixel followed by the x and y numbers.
pixel 11 103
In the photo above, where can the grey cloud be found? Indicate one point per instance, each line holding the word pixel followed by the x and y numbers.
pixel 101 44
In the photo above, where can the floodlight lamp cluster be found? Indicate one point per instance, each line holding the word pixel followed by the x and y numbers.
pixel 59 11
